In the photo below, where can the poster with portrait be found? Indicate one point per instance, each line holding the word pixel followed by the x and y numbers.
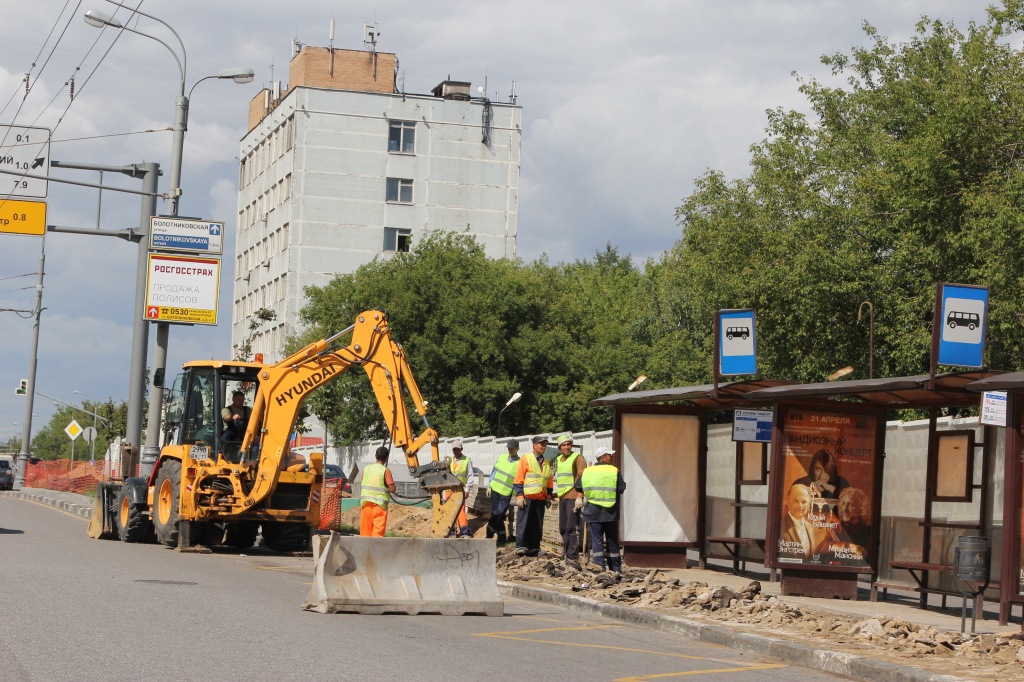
pixel 828 482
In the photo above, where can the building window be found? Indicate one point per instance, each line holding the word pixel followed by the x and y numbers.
pixel 399 190
pixel 402 137
pixel 397 239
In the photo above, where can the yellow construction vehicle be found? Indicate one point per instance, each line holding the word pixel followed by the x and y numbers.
pixel 216 484
pixel 212 486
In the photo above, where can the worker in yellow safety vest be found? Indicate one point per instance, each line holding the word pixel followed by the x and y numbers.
pixel 568 467
pixel 502 477
pixel 462 467
pixel 375 486
pixel 532 488
pixel 602 485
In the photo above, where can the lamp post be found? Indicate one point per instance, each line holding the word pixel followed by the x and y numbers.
pixel 639 380
pixel 101 20
pixel 871 335
pixel 514 399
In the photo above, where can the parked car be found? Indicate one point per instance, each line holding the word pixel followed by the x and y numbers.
pixel 6 475
pixel 333 472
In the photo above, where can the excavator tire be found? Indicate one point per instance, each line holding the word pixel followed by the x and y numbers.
pixel 242 535
pixel 165 503
pixel 286 537
pixel 132 523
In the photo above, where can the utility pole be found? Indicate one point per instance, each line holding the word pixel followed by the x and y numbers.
pixel 26 432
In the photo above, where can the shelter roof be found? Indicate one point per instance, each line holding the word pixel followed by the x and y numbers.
pixel 730 395
pixel 1010 381
pixel 951 390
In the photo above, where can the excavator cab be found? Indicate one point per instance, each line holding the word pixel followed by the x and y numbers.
pixel 200 398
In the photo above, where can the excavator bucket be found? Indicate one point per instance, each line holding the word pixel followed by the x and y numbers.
pixel 103 524
pixel 452 577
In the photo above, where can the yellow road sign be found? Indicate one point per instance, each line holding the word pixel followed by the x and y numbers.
pixel 23 217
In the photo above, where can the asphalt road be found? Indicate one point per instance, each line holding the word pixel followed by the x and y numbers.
pixel 72 608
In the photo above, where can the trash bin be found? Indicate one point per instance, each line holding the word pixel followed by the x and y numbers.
pixel 971 559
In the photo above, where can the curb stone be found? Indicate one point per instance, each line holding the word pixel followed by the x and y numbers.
pixel 835 662
pixel 77 509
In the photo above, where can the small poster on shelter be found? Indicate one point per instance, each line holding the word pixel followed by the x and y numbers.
pixel 826 503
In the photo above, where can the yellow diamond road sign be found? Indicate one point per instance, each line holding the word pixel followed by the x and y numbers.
pixel 73 430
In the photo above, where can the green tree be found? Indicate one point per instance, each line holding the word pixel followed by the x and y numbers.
pixel 910 174
pixel 51 442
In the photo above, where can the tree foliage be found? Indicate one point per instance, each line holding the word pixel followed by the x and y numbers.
pixel 909 175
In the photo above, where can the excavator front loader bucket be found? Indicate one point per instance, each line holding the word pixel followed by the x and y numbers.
pixel 452 577
pixel 103 524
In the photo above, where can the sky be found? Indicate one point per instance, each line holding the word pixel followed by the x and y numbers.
pixel 624 106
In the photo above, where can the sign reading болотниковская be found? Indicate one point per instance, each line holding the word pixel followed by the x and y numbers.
pixel 185 234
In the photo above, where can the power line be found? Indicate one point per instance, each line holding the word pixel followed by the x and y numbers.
pixel 41 48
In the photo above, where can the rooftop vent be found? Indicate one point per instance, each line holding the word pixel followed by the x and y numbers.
pixel 450 89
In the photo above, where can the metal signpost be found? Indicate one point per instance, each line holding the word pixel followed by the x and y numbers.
pixel 182 289
pixel 74 431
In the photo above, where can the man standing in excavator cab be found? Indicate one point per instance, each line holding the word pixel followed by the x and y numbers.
pixel 532 487
pixel 376 486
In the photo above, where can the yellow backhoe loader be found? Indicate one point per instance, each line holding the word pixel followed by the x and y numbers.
pixel 215 484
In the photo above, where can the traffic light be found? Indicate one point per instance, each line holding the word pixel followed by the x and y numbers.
pixel 22 388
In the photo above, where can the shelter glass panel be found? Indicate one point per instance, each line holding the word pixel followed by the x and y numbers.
pixel 660 456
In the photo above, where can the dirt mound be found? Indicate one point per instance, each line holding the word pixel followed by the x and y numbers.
pixel 996 657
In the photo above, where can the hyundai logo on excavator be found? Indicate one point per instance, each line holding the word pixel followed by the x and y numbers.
pixel 306 384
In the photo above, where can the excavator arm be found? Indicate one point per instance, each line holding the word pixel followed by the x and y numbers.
pixel 285 385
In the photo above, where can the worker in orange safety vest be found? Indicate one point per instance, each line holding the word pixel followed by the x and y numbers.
pixel 533 491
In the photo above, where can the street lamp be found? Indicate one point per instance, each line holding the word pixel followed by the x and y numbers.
pixel 514 399
pixel 152 448
pixel 639 380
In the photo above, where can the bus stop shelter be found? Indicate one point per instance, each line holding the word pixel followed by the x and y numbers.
pixel 1010 568
pixel 660 438
pixel 825 505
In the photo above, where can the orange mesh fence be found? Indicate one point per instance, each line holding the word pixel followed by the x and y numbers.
pixel 330 505
pixel 57 475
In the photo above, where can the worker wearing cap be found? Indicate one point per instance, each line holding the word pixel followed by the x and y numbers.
pixel 462 467
pixel 376 486
pixel 532 488
pixel 568 467
pixel 502 477
pixel 601 486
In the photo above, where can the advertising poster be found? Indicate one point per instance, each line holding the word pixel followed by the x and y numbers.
pixel 826 500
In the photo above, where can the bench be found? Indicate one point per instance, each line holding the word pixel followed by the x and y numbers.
pixel 732 546
pixel 917 569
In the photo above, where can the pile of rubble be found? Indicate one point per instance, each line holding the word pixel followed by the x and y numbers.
pixel 985 656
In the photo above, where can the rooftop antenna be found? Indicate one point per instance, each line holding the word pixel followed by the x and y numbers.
pixel 296 47
pixel 330 47
pixel 512 95
pixel 370 34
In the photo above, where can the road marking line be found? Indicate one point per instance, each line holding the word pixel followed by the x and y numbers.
pixel 513 634
pixel 743 668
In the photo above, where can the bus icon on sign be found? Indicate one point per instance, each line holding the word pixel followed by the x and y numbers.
pixel 737 333
pixel 957 319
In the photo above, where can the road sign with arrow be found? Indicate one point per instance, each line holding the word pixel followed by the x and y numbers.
pixel 24 151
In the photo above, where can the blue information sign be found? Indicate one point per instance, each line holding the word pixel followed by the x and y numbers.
pixel 964 320
pixel 737 342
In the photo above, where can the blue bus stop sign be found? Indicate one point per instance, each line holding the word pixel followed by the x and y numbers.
pixel 964 320
pixel 737 342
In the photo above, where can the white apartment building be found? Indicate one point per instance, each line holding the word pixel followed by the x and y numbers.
pixel 338 169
